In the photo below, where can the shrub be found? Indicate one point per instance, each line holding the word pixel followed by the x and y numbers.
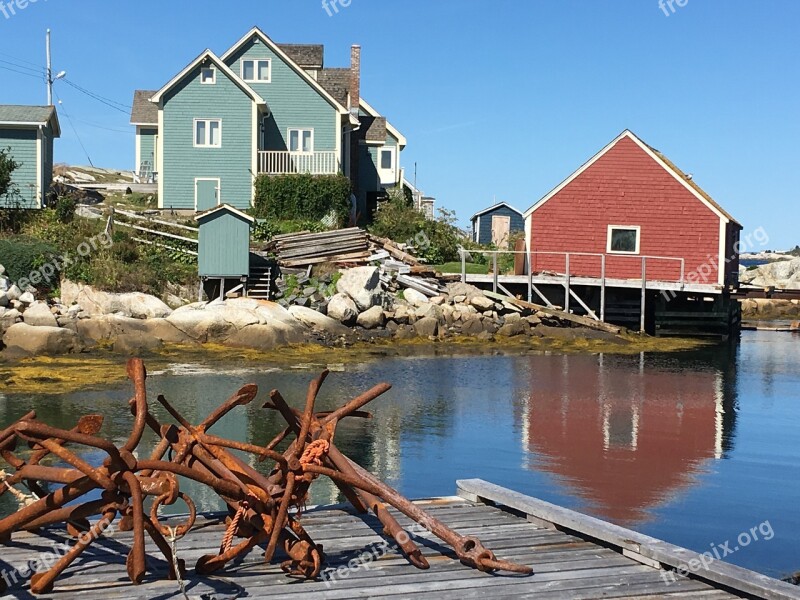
pixel 65 209
pixel 303 197
pixel 22 255
pixel 7 167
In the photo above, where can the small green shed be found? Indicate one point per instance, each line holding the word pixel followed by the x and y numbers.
pixel 29 132
pixel 224 244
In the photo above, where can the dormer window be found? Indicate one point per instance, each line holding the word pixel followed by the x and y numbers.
pixel 208 76
pixel 257 71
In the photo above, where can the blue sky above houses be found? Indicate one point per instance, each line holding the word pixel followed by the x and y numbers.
pixel 498 100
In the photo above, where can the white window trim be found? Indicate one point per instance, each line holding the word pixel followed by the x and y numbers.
pixel 255 69
pixel 213 75
pixel 301 130
pixel 208 133
pixel 219 189
pixel 391 169
pixel 638 229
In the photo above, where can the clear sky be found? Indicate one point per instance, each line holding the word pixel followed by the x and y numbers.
pixel 500 99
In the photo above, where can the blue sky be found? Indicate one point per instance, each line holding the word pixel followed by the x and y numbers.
pixel 499 99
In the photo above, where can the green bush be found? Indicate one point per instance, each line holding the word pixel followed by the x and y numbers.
pixel 7 167
pixel 21 256
pixel 303 197
pixel 65 209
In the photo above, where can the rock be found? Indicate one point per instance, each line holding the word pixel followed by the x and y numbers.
pixel 201 325
pixel 472 326
pixel 795 326
pixel 363 285
pixel 427 327
pixel 319 322
pixel 27 298
pixel 33 341
pixel 372 318
pixel 512 317
pixel 430 310
pixel 780 274
pixel 438 300
pixel 415 298
pixel 133 344
pixel 261 337
pixel 533 320
pixel 2 270
pixel 402 313
pixel 460 299
pixel 343 308
pixel 481 303
pixel 4 301
pixel 95 302
pixel 513 329
pixel 466 290
pixel 174 301
pixel 38 314
pixel 13 293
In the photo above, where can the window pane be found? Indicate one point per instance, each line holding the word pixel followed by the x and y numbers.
pixel 207 75
pixel 200 133
pixel 248 70
pixel 214 137
pixel 623 240
pixel 294 141
pixel 263 70
pixel 307 144
pixel 386 159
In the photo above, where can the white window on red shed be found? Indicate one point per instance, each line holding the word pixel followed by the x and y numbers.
pixel 624 239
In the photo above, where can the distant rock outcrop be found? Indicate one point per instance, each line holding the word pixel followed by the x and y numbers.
pixel 784 274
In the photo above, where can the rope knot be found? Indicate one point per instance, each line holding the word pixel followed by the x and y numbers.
pixel 314 453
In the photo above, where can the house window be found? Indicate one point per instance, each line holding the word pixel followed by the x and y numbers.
pixel 387 160
pixel 624 239
pixel 208 76
pixel 257 71
pixel 207 133
pixel 301 141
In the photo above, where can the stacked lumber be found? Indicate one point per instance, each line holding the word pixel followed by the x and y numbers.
pixel 303 249
pixel 393 249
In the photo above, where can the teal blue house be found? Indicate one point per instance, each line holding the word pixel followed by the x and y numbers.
pixel 28 132
pixel 262 108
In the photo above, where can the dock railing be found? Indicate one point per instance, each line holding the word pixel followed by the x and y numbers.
pixel 566 278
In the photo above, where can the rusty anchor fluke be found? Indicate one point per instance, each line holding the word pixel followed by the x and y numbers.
pixel 265 510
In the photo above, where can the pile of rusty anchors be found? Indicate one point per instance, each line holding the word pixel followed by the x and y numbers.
pixel 260 505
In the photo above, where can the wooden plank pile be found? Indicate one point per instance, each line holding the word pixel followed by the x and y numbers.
pixel 303 249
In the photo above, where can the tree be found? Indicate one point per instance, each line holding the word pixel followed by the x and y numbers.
pixel 7 167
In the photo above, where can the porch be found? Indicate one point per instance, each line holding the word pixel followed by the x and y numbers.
pixel 309 163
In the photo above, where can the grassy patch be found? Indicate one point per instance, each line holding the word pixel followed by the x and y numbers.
pixel 455 267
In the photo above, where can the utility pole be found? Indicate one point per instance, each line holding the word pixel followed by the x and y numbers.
pixel 49 73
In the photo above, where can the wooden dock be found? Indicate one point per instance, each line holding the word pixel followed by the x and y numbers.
pixel 573 556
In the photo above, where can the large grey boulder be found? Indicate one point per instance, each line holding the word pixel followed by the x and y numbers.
pixel 4 301
pixel 134 344
pixel 318 322
pixel 482 303
pixel 427 327
pixel 201 325
pixel 415 298
pixel 781 274
pixel 342 308
pixel 13 293
pixel 38 314
pixel 95 302
pixel 33 341
pixel 372 318
pixel 363 285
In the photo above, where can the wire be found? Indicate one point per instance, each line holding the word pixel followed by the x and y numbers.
pixel 22 60
pixel 13 64
pixel 90 124
pixel 23 72
pixel 108 102
pixel 75 131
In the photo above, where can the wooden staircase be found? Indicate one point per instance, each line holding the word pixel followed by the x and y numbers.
pixel 259 283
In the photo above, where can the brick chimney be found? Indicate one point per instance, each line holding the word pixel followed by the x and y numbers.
pixel 355 79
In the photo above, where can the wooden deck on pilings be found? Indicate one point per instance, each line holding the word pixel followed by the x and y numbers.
pixel 573 557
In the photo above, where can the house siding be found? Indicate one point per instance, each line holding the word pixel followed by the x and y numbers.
pixel 485 232
pixel 182 162
pixel 22 143
pixel 147 145
pixel 626 186
pixel 292 101
pixel 224 246
pixel 47 159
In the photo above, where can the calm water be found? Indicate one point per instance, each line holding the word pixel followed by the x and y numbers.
pixel 693 448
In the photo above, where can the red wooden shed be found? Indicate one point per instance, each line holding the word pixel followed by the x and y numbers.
pixel 631 204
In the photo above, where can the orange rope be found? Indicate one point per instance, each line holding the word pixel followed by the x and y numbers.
pixel 227 541
pixel 314 453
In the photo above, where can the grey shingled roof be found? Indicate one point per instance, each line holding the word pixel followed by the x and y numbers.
pixel 375 128
pixel 10 113
pixel 144 111
pixel 308 56
pixel 336 82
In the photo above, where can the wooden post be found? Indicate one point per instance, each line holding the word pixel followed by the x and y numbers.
pixel 603 288
pixel 566 297
pixel 463 265
pixel 530 279
pixel 644 295
pixel 494 269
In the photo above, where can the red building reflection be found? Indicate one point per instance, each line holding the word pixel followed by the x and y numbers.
pixel 623 438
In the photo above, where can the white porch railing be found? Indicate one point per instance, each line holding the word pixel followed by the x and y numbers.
pixel 284 163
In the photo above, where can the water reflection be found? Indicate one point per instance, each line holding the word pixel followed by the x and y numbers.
pixel 625 434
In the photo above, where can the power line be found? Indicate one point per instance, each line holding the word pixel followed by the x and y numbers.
pixel 22 60
pixel 19 66
pixel 75 131
pixel 108 102
pixel 90 124
pixel 22 72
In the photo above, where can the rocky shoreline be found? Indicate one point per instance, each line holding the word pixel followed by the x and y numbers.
pixel 83 319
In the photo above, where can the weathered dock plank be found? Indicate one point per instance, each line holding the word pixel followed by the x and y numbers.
pixel 568 564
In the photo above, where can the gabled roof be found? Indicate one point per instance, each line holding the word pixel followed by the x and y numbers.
pixel 308 56
pixel 662 160
pixel 144 112
pixel 255 32
pixel 227 208
pixel 496 206
pixel 336 82
pixel 209 56
pixel 401 139
pixel 29 116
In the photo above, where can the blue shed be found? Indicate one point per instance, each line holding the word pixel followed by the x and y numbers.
pixel 496 224
pixel 224 243
pixel 28 131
